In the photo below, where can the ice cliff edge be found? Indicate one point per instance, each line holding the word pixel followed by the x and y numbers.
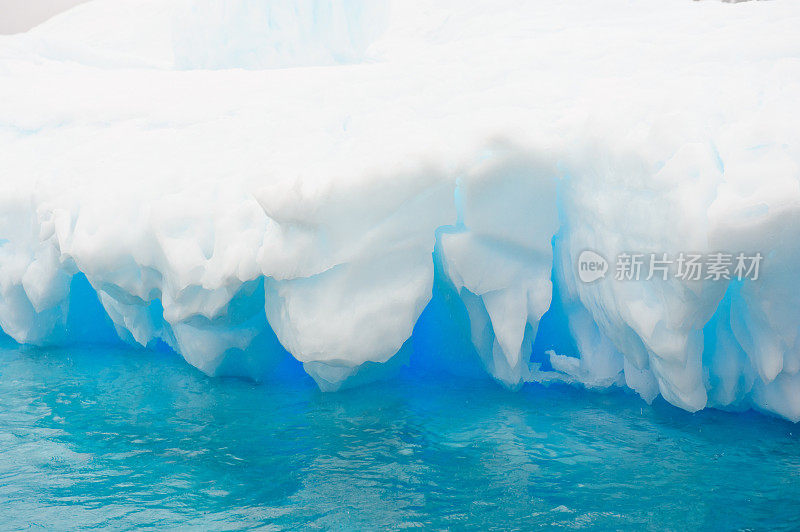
pixel 357 183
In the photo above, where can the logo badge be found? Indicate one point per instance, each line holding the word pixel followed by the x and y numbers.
pixel 591 266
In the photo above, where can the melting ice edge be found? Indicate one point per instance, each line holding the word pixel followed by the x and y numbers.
pixel 409 181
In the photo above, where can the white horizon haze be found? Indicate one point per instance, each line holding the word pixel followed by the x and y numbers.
pixel 17 16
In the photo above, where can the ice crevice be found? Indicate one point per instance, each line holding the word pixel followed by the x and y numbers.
pixel 402 189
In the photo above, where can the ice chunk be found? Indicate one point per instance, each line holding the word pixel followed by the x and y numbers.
pixel 368 184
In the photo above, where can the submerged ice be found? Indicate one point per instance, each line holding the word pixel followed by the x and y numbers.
pixel 362 184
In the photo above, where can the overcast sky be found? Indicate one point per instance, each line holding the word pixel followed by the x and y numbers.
pixel 22 15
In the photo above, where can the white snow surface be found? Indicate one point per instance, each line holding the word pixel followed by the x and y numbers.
pixel 220 171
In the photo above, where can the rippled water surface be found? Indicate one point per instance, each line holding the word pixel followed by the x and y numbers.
pixel 123 439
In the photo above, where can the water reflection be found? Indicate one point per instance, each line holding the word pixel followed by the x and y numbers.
pixel 132 438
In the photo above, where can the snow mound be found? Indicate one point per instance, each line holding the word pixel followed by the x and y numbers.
pixel 364 185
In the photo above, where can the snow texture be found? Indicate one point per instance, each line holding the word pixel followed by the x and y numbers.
pixel 362 184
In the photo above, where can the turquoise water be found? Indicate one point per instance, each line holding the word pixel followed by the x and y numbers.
pixel 123 439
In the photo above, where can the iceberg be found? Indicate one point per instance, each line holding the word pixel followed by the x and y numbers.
pixel 361 185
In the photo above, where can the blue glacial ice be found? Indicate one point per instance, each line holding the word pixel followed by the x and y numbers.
pixel 358 184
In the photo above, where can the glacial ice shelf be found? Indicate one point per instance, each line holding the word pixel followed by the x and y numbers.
pixel 363 183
